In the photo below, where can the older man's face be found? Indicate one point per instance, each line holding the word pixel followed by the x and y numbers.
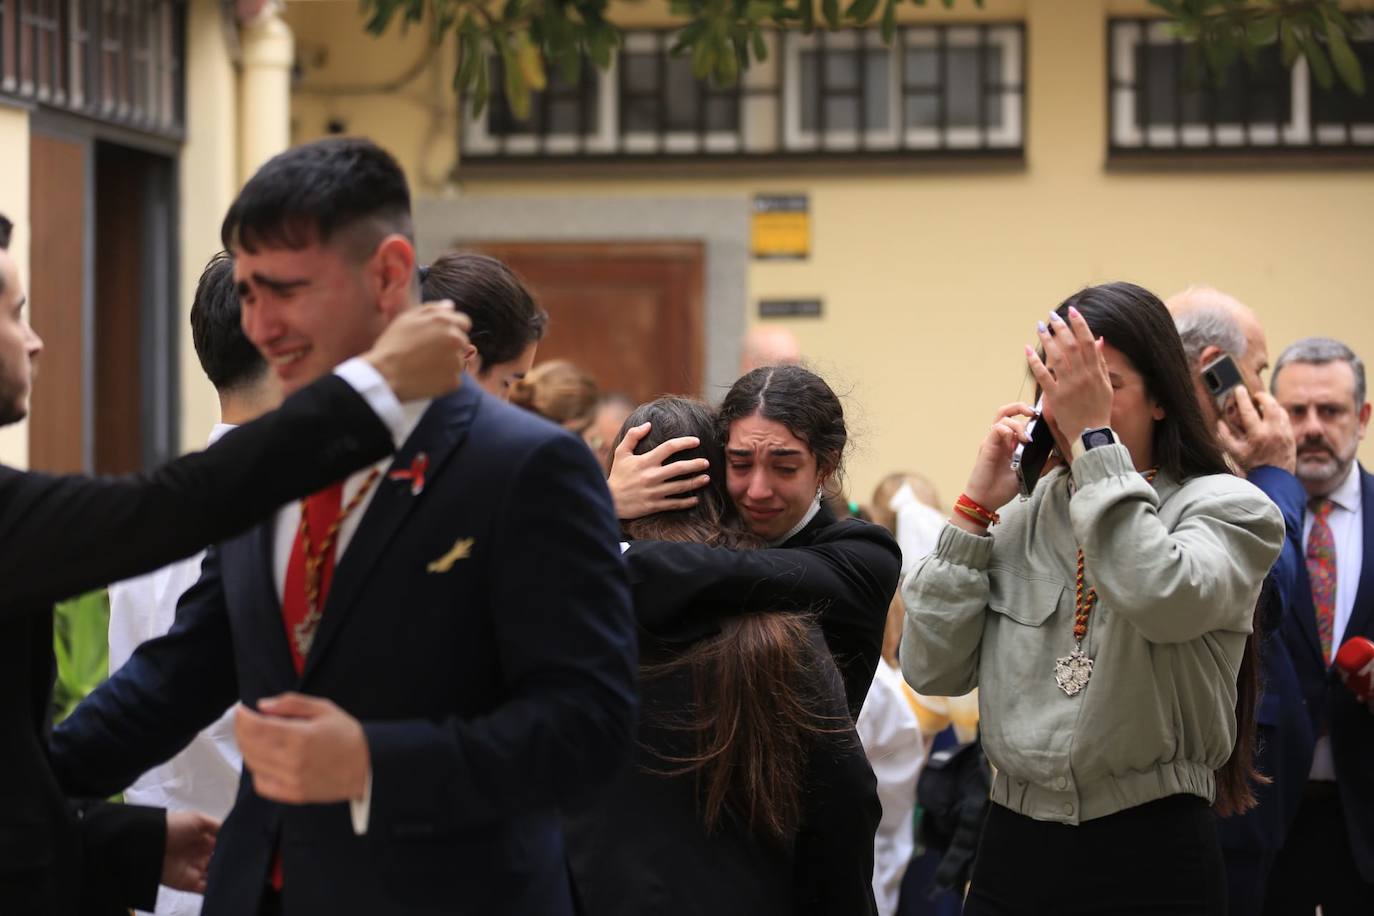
pixel 1255 361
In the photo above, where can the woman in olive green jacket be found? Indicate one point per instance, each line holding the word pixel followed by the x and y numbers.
pixel 1106 620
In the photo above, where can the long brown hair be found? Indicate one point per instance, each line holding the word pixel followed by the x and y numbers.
pixel 1135 322
pixel 758 685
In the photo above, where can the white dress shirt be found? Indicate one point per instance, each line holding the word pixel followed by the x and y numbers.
pixel 402 420
pixel 205 776
pixel 1347 535
pixel 892 740
pixel 918 526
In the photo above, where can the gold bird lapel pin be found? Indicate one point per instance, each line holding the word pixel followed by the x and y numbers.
pixel 461 550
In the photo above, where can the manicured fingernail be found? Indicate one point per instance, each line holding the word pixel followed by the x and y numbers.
pixel 1040 326
pixel 1073 311
pixel 1054 316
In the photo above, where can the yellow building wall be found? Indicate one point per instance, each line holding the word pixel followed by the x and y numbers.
pixel 14 203
pixel 933 279
pixel 209 181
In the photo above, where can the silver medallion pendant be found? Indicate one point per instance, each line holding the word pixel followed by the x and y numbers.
pixel 1072 671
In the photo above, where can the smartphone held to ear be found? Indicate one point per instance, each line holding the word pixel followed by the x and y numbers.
pixel 1028 461
pixel 1220 377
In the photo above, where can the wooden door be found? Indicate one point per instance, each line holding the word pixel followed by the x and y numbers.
pixel 628 313
pixel 56 283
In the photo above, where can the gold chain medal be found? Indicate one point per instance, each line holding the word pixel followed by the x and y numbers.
pixel 303 633
pixel 1073 671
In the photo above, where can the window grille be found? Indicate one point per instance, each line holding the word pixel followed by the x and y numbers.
pixel 118 61
pixel 934 90
pixel 1157 105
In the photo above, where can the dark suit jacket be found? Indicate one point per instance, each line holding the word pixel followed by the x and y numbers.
pixel 65 535
pixel 1284 754
pixel 689 588
pixel 492 690
pixel 1333 709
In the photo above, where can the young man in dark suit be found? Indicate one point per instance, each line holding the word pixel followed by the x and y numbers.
pixel 433 660
pixel 63 535
pixel 1328 859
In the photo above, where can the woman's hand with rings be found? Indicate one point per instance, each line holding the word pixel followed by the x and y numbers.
pixel 1079 390
pixel 992 483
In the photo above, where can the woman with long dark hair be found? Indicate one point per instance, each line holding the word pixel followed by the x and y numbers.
pixel 750 793
pixel 1108 624
pixel 783 434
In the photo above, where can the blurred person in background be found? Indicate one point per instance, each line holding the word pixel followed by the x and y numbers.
pixel 611 411
pixel 906 504
pixel 768 345
pixel 749 793
pixel 1104 620
pixel 1258 438
pixel 559 392
pixel 892 739
pixel 1328 859
pixel 507 324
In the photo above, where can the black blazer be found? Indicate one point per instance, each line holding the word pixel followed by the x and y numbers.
pixel 493 687
pixel 642 848
pixel 689 588
pixel 65 535
pixel 1330 706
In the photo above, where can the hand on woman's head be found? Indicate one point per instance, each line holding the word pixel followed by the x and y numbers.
pixel 644 484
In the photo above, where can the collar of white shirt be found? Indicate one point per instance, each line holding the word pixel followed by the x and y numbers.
pixel 1347 492
pixel 217 432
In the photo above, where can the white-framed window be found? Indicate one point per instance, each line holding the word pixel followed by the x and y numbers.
pixel 566 118
pixel 944 89
pixel 935 88
pixel 843 94
pixel 1159 100
pixel 664 108
pixel 961 87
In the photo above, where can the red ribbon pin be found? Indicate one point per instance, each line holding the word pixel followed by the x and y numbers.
pixel 416 474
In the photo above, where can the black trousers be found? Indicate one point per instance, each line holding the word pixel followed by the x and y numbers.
pixel 1162 857
pixel 1315 866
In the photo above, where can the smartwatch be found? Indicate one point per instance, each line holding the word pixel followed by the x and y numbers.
pixel 1093 438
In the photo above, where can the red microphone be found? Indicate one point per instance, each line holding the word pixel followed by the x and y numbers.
pixel 1355 664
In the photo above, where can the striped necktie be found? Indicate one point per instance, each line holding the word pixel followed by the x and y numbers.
pixel 1321 571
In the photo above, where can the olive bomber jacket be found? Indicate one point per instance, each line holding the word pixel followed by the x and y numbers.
pixel 1177 568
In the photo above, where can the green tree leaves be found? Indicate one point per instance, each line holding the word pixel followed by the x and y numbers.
pixel 722 38
pixel 1316 30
